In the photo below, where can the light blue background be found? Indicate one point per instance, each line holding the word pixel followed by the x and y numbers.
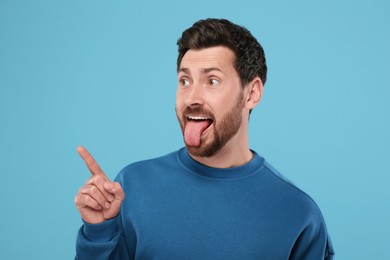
pixel 102 74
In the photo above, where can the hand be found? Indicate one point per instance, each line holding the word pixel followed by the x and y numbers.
pixel 99 199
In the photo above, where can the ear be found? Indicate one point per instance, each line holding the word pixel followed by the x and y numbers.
pixel 254 93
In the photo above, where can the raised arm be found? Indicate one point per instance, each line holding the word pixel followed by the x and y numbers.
pixel 99 199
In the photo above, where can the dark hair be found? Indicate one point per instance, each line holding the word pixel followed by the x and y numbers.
pixel 250 58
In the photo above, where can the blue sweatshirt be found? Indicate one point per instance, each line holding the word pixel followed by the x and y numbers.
pixel 177 208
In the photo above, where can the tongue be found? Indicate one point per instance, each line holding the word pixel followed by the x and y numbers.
pixel 194 130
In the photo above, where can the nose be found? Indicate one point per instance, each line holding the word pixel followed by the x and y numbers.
pixel 195 95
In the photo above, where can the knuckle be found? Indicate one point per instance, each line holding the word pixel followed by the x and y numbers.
pixel 89 201
pixel 92 180
pixel 79 200
pixel 82 190
pixel 76 200
pixel 94 192
pixel 92 189
pixel 97 179
pixel 89 181
pixel 85 189
pixel 117 186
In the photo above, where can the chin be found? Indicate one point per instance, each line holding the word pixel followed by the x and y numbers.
pixel 204 150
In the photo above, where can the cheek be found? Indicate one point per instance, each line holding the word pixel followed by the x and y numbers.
pixel 220 108
pixel 179 105
pixel 180 100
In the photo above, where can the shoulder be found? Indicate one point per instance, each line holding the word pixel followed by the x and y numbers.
pixel 298 213
pixel 148 166
pixel 296 201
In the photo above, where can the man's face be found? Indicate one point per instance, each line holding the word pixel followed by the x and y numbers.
pixel 209 100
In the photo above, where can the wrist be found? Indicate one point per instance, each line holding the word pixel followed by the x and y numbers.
pixel 101 232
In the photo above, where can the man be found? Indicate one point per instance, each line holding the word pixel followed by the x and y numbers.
pixel 216 198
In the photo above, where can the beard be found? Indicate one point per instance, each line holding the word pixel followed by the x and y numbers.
pixel 223 129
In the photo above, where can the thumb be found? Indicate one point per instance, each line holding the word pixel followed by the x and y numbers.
pixel 115 189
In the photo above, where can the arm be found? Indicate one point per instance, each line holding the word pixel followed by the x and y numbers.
pixel 313 243
pixel 101 241
pixel 98 202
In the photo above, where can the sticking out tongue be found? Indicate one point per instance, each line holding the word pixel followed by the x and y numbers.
pixel 194 130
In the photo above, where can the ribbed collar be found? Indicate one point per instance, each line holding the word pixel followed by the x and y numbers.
pixel 234 173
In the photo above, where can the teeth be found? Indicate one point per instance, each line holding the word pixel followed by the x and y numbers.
pixel 197 118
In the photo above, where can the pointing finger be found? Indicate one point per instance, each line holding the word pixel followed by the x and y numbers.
pixel 90 162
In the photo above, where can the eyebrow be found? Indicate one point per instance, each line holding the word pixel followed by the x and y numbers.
pixel 185 70
pixel 206 70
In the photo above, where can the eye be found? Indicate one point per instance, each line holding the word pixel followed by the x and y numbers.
pixel 184 82
pixel 214 82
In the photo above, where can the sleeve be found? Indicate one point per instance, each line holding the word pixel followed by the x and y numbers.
pixel 101 241
pixel 313 243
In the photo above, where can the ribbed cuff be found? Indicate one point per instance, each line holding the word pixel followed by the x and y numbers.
pixel 102 232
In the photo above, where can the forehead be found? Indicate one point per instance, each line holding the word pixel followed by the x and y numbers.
pixel 216 57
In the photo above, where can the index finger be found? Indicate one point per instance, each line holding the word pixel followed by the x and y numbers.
pixel 90 162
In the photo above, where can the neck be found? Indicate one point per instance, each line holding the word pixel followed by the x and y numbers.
pixel 226 159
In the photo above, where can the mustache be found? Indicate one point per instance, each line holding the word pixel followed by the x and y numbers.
pixel 197 110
